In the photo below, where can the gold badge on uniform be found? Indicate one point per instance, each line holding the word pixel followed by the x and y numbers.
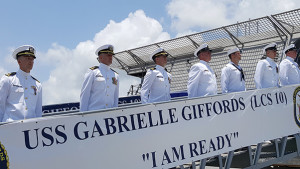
pixel 34 89
pixel 114 81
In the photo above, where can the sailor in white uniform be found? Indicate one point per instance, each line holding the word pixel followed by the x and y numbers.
pixel 266 73
pixel 232 76
pixel 20 93
pixel 156 84
pixel 289 72
pixel 202 79
pixel 100 89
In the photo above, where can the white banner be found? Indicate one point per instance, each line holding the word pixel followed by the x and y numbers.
pixel 161 135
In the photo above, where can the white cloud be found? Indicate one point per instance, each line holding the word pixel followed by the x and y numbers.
pixel 2 71
pixel 134 31
pixel 187 14
pixel 64 83
pixel 8 64
pixel 256 8
pixel 202 15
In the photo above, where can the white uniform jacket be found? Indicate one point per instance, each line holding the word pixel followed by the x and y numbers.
pixel 202 80
pixel 231 79
pixel 20 97
pixel 100 89
pixel 289 72
pixel 156 85
pixel 266 74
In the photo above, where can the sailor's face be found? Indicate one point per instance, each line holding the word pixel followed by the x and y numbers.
pixel 237 56
pixel 26 63
pixel 161 60
pixel 106 58
pixel 205 55
pixel 292 54
pixel 271 53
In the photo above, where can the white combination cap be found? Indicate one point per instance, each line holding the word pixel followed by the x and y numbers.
pixel 271 46
pixel 25 50
pixel 233 50
pixel 202 48
pixel 157 52
pixel 289 48
pixel 105 49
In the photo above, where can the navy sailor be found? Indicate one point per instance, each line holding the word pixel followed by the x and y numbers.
pixel 202 79
pixel 20 93
pixel 232 76
pixel 156 85
pixel 100 89
pixel 289 72
pixel 266 73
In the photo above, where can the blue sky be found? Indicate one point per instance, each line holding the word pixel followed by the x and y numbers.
pixel 66 33
pixel 66 22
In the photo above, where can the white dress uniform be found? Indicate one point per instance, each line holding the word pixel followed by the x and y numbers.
pixel 232 79
pixel 156 85
pixel 289 72
pixel 20 97
pixel 100 89
pixel 266 74
pixel 202 80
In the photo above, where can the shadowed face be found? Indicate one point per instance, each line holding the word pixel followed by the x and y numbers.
pixel 271 53
pixel 106 58
pixel 205 55
pixel 161 60
pixel 236 57
pixel 26 63
pixel 292 54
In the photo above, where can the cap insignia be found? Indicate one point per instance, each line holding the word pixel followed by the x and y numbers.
pixel 31 49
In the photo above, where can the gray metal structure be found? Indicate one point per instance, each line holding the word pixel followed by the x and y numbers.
pixel 250 36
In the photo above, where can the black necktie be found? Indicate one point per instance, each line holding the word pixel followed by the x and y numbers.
pixel 241 70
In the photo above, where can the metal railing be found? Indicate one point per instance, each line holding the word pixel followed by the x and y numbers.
pixel 251 36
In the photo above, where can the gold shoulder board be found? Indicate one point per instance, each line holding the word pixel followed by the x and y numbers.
pixel 94 67
pixel 11 74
